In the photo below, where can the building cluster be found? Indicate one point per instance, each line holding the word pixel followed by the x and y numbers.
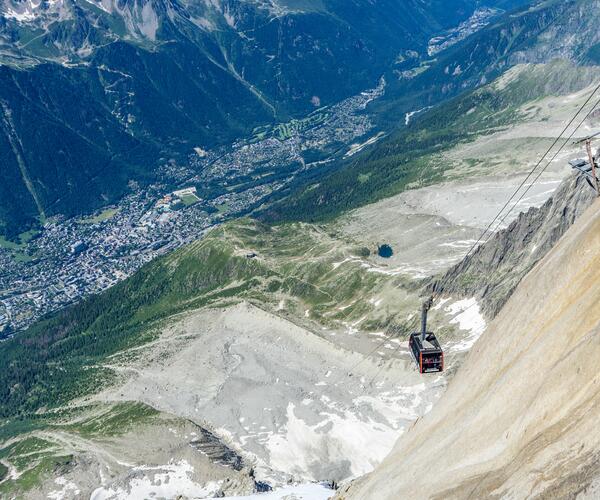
pixel 480 18
pixel 73 258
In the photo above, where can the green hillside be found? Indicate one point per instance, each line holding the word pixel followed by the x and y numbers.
pixel 412 156
pixel 58 359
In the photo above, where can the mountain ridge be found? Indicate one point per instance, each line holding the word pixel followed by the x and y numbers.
pixel 153 81
pixel 512 252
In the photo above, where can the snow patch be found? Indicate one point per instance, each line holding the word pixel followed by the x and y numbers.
pixel 167 481
pixel 467 316
pixel 409 115
pixel 361 434
pixel 404 404
pixel 308 491
pixel 362 442
pixel 459 244
pixel 375 301
pixel 440 303
pixel 357 147
pixel 338 264
pixel 68 489
pixel 21 17
pixel 414 272
pixel 351 327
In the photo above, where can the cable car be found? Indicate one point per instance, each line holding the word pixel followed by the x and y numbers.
pixel 424 345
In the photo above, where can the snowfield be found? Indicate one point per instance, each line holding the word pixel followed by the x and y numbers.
pixel 168 481
pixel 309 491
pixel 467 316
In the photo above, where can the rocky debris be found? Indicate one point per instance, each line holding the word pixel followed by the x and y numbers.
pixel 292 404
pixel 216 450
pixel 493 271
pixel 159 458
pixel 557 41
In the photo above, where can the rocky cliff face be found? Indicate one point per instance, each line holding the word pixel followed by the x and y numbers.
pixel 493 271
pixel 519 419
pixel 560 39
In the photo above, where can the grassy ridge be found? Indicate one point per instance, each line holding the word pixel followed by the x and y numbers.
pixel 31 458
pixel 61 358
pixel 37 447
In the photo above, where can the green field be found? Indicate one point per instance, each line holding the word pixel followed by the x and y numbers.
pixel 20 242
pixel 17 248
pixel 107 214
pixel 189 199
pixel 22 257
pixel 224 208
pixel 286 130
pixel 9 245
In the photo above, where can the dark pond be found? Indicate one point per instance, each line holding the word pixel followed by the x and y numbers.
pixel 385 251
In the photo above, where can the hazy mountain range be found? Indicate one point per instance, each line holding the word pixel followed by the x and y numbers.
pixel 95 94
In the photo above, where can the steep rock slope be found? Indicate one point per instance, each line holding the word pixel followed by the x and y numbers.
pixel 519 420
pixel 494 270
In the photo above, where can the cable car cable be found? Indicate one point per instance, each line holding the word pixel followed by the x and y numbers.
pixel 530 174
pixel 439 285
pixel 499 225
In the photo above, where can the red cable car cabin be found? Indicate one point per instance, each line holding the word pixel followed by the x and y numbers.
pixel 427 353
pixel 425 347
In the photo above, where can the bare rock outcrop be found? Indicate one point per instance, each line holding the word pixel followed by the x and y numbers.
pixel 493 271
